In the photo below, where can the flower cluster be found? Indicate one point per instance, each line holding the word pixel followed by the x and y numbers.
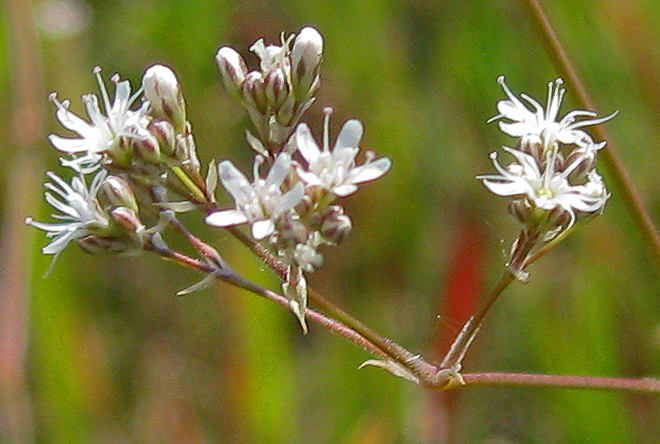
pixel 291 210
pixel 142 153
pixel 277 94
pixel 552 177
pixel 134 152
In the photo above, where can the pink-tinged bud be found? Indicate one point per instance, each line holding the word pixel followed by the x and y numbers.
pixel 233 69
pixel 531 144
pixel 254 92
pixel 118 193
pixel 559 218
pixel 306 57
pixel 164 132
pixel 127 219
pixel 336 227
pixel 163 91
pixel 147 147
pixel 292 232
pixel 276 88
pixel 288 112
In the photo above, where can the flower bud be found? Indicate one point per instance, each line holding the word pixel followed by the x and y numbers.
pixel 163 91
pixel 531 144
pixel 336 228
pixel 558 220
pixel 233 69
pixel 520 209
pixel 292 231
pixel 307 257
pixel 147 147
pixel 118 193
pixel 287 113
pixel 127 219
pixel 254 93
pixel 185 151
pixel 306 57
pixel 276 88
pixel 164 132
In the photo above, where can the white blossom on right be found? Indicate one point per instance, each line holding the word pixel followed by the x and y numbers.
pixel 517 120
pixel 551 178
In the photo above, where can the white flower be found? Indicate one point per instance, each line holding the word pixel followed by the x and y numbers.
pixel 103 131
pixel 273 57
pixel 335 170
pixel 521 121
pixel 546 189
pixel 260 203
pixel 81 212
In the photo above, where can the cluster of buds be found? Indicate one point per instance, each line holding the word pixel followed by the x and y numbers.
pixel 148 145
pixel 146 167
pixel 552 177
pixel 146 152
pixel 101 217
pixel 277 94
pixel 290 208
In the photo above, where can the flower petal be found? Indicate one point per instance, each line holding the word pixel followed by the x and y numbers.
pixel 225 218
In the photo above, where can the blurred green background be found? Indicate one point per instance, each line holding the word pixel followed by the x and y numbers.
pixel 102 351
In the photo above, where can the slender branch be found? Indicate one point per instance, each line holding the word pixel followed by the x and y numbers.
pixel 324 321
pixel 390 349
pixel 617 170
pixel 465 337
pixel 445 377
pixel 645 385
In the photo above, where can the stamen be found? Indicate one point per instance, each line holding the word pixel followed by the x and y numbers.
pixel 104 92
pixel 326 128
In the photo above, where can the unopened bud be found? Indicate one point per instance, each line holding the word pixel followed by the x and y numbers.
pixel 307 257
pixel 306 57
pixel 336 228
pixel 118 193
pixel 559 219
pixel 163 91
pixel 185 150
pixel 520 209
pixel 233 69
pixel 276 88
pixel 585 158
pixel 293 232
pixel 164 132
pixel 127 219
pixel 287 113
pixel 254 92
pixel 147 147
pixel 531 144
